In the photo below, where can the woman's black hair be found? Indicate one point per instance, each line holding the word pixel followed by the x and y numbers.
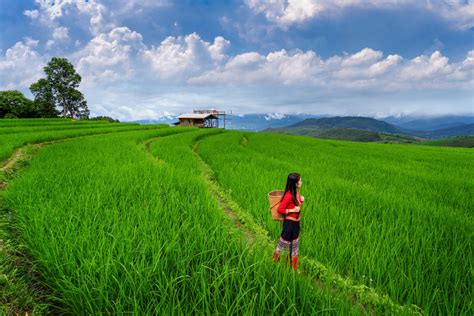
pixel 291 185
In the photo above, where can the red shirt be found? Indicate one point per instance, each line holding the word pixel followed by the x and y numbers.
pixel 287 203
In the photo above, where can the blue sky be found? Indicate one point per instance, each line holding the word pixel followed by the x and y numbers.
pixel 146 59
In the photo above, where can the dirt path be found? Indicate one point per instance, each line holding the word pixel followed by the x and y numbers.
pixel 223 201
pixel 12 160
pixel 20 153
pixel 16 161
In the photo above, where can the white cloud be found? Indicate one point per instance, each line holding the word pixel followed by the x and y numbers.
pixel 217 50
pixel 366 56
pixel 109 56
pixel 21 65
pixel 30 42
pixel 99 15
pixel 52 12
pixel 119 72
pixel 61 33
pixel 459 12
pixel 128 7
pixel 185 55
pixel 287 12
pixel 31 13
pixel 50 44
pixel 366 70
pixel 426 67
pixel 385 65
pixel 248 68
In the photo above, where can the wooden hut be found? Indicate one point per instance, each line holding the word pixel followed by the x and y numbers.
pixel 204 120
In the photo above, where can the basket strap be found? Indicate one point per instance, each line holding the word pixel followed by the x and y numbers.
pixel 275 204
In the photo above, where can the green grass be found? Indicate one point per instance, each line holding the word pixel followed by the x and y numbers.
pixel 123 221
pixel 393 217
pixel 10 142
pixel 125 232
pixel 347 134
pixel 56 127
pixel 9 123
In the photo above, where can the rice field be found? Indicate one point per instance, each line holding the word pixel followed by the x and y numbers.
pixel 117 218
pixel 26 135
pixel 393 217
pixel 126 233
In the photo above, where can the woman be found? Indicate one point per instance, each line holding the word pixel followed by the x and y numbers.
pixel 290 206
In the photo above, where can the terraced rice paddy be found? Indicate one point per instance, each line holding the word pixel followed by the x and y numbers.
pixel 120 218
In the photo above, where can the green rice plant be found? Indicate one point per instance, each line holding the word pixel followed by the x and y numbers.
pixel 9 123
pixel 393 217
pixel 56 127
pixel 113 230
pixel 9 142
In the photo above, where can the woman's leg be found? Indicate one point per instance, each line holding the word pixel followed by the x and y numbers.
pixel 282 245
pixel 294 253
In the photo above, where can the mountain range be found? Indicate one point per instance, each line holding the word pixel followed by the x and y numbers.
pixel 407 127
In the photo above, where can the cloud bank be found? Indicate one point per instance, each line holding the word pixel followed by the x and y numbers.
pixel 131 78
pixel 284 13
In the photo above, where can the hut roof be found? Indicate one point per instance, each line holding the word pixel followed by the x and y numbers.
pixel 197 116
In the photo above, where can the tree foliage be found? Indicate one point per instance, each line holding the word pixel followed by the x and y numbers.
pixel 44 101
pixel 14 104
pixel 59 89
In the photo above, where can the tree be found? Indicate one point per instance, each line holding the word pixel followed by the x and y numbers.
pixel 44 101
pixel 59 89
pixel 14 103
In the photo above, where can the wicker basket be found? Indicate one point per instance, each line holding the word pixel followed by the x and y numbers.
pixel 274 198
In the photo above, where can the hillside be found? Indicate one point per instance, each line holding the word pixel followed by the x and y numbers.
pixel 361 129
pixel 460 130
pixel 430 123
pixel 366 129
pixel 354 122
pixel 458 141
pixel 349 134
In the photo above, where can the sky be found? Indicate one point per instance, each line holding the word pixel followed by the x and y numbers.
pixel 149 59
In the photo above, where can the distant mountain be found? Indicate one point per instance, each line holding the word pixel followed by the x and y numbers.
pixel 429 123
pixel 352 122
pixel 258 122
pixel 350 134
pixel 461 130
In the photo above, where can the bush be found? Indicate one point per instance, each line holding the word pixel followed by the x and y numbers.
pixel 10 116
pixel 104 118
